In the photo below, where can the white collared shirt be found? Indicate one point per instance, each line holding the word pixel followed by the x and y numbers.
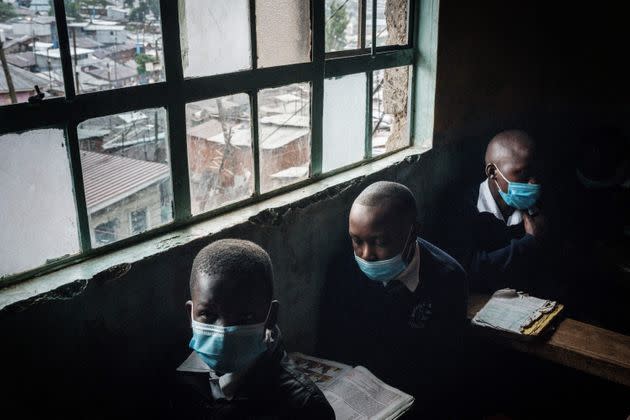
pixel 410 277
pixel 486 203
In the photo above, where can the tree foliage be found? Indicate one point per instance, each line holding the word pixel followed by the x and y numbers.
pixel 6 11
pixel 336 23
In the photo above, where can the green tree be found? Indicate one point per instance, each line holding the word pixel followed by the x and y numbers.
pixel 6 11
pixel 138 14
pixel 336 23
pixel 154 6
pixel 141 60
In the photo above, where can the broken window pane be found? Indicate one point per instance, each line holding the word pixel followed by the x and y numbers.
pixel 342 25
pixel 126 173
pixel 37 207
pixel 284 130
pixel 220 158
pixel 215 36
pixel 113 46
pixel 29 46
pixel 283 29
pixel 391 22
pixel 344 121
pixel 390 104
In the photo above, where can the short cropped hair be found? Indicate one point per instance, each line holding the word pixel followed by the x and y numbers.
pixel 392 194
pixel 241 261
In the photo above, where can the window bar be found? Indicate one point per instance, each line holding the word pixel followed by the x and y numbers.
pixel 411 19
pixel 253 99
pixel 362 23
pixel 173 68
pixel 64 49
pixel 368 115
pixel 317 87
pixel 74 153
pixel 373 46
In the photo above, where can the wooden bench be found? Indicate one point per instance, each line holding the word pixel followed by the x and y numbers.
pixel 574 344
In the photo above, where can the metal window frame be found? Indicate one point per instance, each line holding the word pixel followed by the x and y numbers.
pixel 173 95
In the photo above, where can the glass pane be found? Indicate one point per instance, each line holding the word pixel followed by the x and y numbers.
pixel 390 103
pixel 220 158
pixel 37 209
pixel 391 22
pixel 114 46
pixel 215 36
pixel 344 121
pixel 283 32
pixel 284 129
pixel 31 50
pixel 342 25
pixel 126 174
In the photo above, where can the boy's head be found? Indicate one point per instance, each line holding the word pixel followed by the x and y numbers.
pixel 231 283
pixel 382 221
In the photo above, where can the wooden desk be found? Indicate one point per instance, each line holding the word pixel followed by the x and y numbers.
pixel 574 344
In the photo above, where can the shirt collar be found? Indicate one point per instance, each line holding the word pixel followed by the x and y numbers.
pixel 486 203
pixel 228 382
pixel 410 277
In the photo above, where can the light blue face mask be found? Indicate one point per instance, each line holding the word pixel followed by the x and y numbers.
pixel 383 270
pixel 228 349
pixel 520 195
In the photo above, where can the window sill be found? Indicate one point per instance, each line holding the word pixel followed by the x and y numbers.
pixel 86 270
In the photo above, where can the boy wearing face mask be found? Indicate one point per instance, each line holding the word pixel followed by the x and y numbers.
pixel 395 303
pixel 511 244
pixel 238 367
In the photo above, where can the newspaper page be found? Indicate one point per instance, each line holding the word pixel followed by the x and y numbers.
pixel 321 371
pixel 354 393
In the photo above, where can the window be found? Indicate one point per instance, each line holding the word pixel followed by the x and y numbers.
pixel 152 118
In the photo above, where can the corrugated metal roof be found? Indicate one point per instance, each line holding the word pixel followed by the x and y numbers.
pixel 109 178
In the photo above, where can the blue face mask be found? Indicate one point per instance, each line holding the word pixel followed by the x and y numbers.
pixel 228 349
pixel 383 270
pixel 520 195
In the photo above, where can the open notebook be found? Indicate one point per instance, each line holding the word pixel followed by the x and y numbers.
pixel 518 313
pixel 353 393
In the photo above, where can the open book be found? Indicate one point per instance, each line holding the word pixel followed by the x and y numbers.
pixel 518 314
pixel 353 393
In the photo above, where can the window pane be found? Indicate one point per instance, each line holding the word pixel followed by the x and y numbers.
pixel 391 22
pixel 31 48
pixel 215 36
pixel 342 25
pixel 37 209
pixel 390 126
pixel 283 32
pixel 126 174
pixel 284 129
pixel 114 46
pixel 344 121
pixel 220 158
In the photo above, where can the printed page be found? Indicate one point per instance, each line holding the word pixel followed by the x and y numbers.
pixel 321 371
pixel 361 395
pixel 509 310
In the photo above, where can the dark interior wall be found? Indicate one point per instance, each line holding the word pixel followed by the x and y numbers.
pixel 553 68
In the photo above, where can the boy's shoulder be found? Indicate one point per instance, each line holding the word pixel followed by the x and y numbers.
pixel 439 261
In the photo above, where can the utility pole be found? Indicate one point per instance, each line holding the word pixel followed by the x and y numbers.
pixel 7 74
pixel 76 65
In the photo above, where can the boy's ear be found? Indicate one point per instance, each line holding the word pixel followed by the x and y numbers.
pixel 189 307
pixel 272 315
pixel 491 171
